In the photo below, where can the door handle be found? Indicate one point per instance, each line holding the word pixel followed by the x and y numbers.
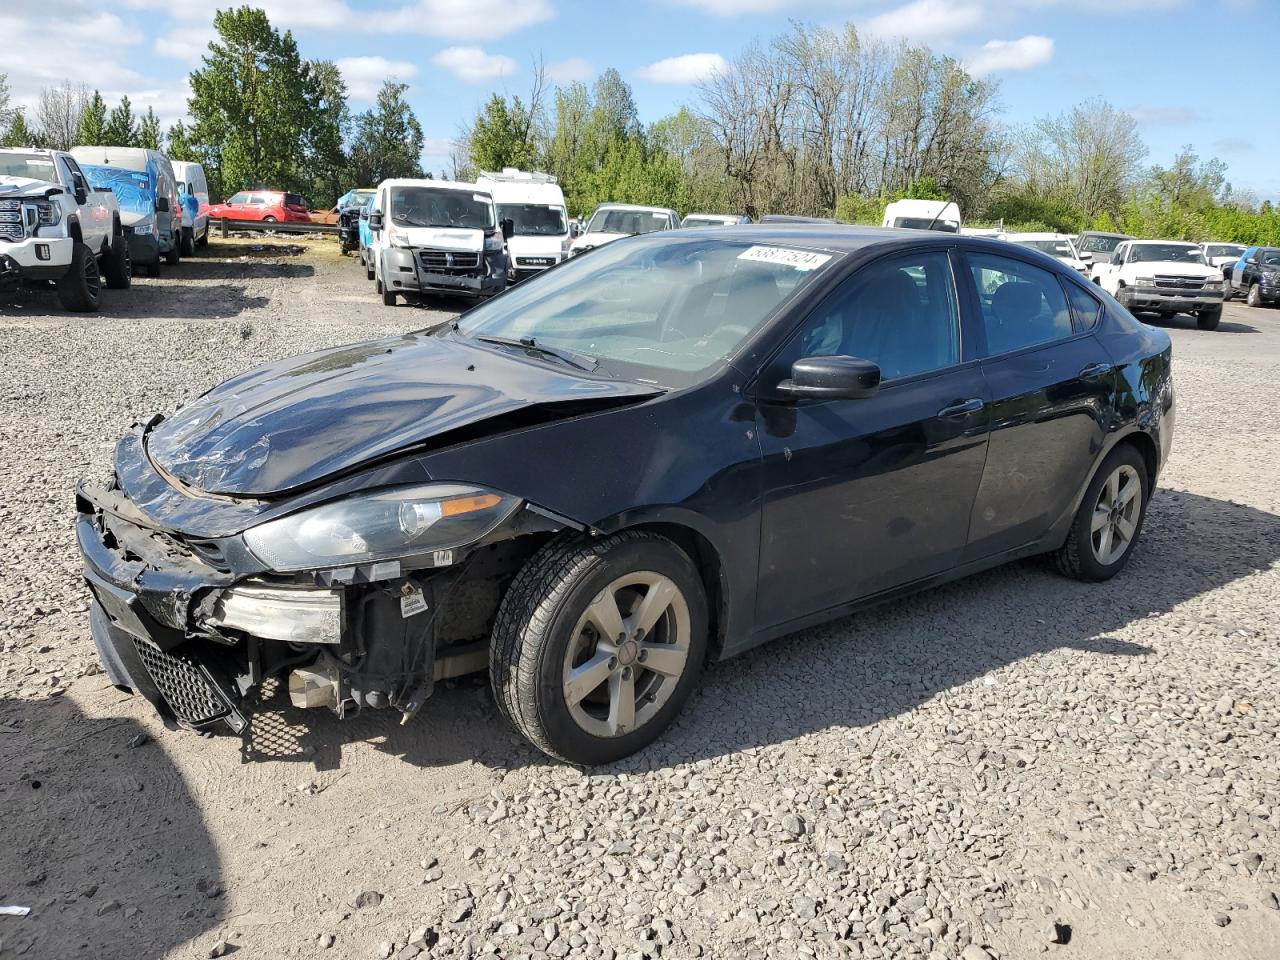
pixel 962 408
pixel 1096 371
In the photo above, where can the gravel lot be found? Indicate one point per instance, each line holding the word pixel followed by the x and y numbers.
pixel 1011 765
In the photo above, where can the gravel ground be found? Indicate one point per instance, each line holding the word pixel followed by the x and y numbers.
pixel 1012 765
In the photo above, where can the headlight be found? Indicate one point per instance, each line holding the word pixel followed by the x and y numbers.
pixel 397 238
pixel 387 525
pixel 1144 281
pixel 49 213
pixel 1271 278
pixel 1213 284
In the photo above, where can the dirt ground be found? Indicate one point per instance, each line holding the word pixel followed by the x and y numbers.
pixel 1049 767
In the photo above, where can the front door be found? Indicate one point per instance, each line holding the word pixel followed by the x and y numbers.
pixel 864 495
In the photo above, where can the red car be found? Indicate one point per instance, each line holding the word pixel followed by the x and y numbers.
pixel 272 206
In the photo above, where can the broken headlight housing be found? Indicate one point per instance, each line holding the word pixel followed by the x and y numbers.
pixel 386 525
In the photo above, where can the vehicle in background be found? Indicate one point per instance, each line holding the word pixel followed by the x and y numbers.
pixel 333 215
pixel 990 233
pixel 1165 277
pixel 1099 246
pixel 349 206
pixel 193 191
pixel 364 237
pixel 147 192
pixel 267 206
pixel 788 218
pixel 941 215
pixel 1222 255
pixel 613 221
pixel 1055 244
pixel 558 486
pixel 56 227
pixel 436 236
pixel 534 204
pixel 713 220
pixel 1257 275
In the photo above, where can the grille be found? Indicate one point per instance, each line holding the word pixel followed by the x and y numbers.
pixel 1179 283
pixel 183 685
pixel 11 220
pixel 447 260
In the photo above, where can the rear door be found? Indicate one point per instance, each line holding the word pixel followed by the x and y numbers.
pixel 1052 390
pixel 864 495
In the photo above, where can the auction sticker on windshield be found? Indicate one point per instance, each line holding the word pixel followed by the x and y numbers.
pixel 800 259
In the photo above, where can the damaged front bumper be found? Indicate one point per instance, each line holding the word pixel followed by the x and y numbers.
pixel 196 625
pixel 420 270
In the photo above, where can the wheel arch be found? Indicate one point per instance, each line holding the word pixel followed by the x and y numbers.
pixel 706 558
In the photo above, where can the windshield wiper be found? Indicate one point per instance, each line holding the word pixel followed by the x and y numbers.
pixel 579 361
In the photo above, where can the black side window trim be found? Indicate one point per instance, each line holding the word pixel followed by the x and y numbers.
pixel 1077 322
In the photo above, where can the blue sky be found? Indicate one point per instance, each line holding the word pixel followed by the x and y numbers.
pixel 1181 67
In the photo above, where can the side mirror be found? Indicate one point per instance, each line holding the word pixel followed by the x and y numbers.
pixel 831 378
pixel 1085 256
pixel 1115 258
pixel 82 196
pixel 162 205
pixel 1253 260
pixel 508 228
pixel 375 221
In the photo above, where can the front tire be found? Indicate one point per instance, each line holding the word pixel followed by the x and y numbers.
pixel 1209 319
pixel 79 287
pixel 598 644
pixel 1109 520
pixel 388 295
pixel 188 243
pixel 117 267
pixel 1255 295
pixel 173 256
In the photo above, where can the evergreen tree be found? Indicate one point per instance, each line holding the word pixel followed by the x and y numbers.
pixel 19 134
pixel 121 129
pixel 388 139
pixel 149 131
pixel 93 122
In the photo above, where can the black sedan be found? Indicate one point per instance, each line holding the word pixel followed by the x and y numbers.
pixel 687 444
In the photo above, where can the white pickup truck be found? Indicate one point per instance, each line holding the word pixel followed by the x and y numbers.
pixel 54 227
pixel 1162 276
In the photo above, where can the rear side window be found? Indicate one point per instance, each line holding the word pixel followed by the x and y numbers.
pixel 1084 305
pixel 1022 305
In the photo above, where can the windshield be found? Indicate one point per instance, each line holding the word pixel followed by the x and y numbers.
pixel 1223 250
pixel 357 198
pixel 1165 252
pixel 1269 257
pixel 666 311
pixel 28 165
pixel 628 221
pixel 1055 248
pixel 535 219
pixel 433 207
pixel 923 223
pixel 1100 243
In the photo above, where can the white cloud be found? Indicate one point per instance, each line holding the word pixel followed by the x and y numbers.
pixel 473 65
pixel 364 75
pixel 567 71
pixel 1164 116
pixel 283 14
pixel 689 68
pixel 461 19
pixel 437 147
pixel 187 44
pixel 926 21
pixel 737 8
pixel 88 43
pixel 997 56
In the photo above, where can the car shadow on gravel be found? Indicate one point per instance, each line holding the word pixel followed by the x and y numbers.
pixel 855 672
pixel 100 837
pixel 241 269
pixel 146 299
pixel 1184 321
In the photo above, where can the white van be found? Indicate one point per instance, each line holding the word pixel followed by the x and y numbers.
pixel 941 215
pixel 534 204
pixel 193 189
pixel 435 236
pixel 147 193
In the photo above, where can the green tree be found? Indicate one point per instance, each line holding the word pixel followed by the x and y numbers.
pixel 388 139
pixel 254 104
pixel 93 122
pixel 121 129
pixel 149 130
pixel 6 111
pixel 326 156
pixel 500 136
pixel 19 134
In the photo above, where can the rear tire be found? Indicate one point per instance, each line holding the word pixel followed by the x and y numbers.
pixel 1255 295
pixel 562 677
pixel 79 287
pixel 173 256
pixel 388 295
pixel 188 243
pixel 1109 521
pixel 1209 319
pixel 1228 291
pixel 117 268
pixel 204 239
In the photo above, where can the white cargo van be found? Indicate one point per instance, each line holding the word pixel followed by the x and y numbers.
pixel 941 215
pixel 193 189
pixel 534 204
pixel 147 192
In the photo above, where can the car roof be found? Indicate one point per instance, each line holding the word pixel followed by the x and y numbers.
pixel 632 206
pixel 841 238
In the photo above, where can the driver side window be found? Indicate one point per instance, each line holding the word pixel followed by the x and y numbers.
pixel 898 313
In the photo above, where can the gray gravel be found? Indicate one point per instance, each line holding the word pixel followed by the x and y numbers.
pixel 1010 765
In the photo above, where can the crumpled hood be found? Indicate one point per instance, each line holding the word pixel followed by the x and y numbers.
pixel 26 187
pixel 442 238
pixel 294 423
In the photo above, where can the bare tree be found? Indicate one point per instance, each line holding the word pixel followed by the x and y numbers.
pixel 58 113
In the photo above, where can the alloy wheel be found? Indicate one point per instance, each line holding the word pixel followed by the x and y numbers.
pixel 1115 515
pixel 627 653
pixel 92 279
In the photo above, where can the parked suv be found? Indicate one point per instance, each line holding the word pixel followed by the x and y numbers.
pixel 1100 246
pixel 612 221
pixel 269 206
pixel 1257 275
pixel 1222 255
pixel 1165 277
pixel 55 227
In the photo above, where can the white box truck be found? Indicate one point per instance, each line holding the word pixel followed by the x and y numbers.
pixel 534 204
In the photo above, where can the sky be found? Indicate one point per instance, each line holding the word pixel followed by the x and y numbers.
pixel 1177 65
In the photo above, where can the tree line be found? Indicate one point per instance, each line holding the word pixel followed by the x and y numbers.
pixel 816 121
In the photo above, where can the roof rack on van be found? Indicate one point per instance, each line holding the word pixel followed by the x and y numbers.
pixel 512 175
